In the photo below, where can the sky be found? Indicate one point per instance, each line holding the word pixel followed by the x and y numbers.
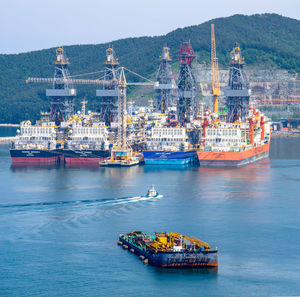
pixel 27 25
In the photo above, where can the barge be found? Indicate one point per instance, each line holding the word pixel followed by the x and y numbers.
pixel 170 249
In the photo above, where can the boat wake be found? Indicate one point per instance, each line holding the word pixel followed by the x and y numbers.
pixel 75 203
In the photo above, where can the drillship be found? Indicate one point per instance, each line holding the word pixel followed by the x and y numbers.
pixel 87 143
pixel 40 143
pixel 243 134
pixel 35 144
pixel 168 141
pixel 168 146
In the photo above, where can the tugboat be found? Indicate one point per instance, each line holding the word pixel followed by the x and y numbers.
pixel 152 193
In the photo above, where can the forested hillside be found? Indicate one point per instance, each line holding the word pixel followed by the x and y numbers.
pixel 267 40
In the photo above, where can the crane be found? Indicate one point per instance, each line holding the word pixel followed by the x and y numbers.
pixel 215 84
pixel 122 103
pixel 63 87
pixel 70 81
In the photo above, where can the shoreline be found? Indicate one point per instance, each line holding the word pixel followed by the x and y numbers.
pixel 9 125
pixel 285 134
pixel 7 139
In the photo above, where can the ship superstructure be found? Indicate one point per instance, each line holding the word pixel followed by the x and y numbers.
pixel 87 141
pixel 35 144
pixel 168 146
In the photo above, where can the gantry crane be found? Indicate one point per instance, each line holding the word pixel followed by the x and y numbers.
pixel 215 84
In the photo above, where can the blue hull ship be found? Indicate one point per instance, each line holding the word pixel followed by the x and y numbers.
pixel 169 157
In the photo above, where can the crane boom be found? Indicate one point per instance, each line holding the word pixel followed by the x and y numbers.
pixel 70 80
pixel 215 71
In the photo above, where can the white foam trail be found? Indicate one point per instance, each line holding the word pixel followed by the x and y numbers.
pixel 133 199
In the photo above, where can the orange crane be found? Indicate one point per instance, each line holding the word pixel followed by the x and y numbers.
pixel 214 70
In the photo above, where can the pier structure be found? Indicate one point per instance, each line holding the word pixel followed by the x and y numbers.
pixel 237 92
pixel 187 86
pixel 165 87
pixel 109 93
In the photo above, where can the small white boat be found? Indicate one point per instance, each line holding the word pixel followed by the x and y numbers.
pixel 152 193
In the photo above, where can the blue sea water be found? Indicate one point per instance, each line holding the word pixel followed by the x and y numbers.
pixel 59 227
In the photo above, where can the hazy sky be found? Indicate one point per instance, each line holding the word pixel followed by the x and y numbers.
pixel 27 25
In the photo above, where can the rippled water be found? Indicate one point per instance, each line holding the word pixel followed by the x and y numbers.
pixel 59 227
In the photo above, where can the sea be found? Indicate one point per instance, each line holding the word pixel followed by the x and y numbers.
pixel 59 227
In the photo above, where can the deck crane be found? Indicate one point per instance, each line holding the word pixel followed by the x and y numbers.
pixel 215 84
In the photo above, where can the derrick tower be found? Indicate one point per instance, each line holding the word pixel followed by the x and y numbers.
pixel 62 93
pixel 109 94
pixel 187 87
pixel 165 85
pixel 215 84
pixel 237 92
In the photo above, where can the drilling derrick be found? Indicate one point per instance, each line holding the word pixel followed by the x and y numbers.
pixel 215 84
pixel 109 94
pixel 62 94
pixel 187 87
pixel 165 85
pixel 237 92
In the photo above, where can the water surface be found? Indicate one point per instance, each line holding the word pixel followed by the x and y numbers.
pixel 59 227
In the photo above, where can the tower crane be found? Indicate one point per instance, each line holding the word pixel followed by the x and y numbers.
pixel 215 84
pixel 122 104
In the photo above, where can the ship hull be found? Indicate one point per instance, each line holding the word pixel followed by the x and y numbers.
pixel 169 157
pixel 208 259
pixel 84 157
pixel 34 156
pixel 233 159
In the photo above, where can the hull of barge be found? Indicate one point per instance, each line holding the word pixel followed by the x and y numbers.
pixel 205 259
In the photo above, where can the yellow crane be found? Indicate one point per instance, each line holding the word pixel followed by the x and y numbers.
pixel 214 70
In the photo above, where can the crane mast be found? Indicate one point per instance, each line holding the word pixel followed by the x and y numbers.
pixel 122 143
pixel 215 84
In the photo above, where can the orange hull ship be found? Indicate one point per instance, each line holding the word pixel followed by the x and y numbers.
pixel 241 134
pixel 233 159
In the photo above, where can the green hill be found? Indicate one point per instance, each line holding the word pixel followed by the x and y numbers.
pixel 267 40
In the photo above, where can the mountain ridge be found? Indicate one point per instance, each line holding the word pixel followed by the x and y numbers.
pixel 267 40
